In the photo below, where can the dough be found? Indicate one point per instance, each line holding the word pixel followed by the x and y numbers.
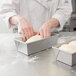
pixel 67 48
pixel 34 38
pixel 73 43
pixel 64 47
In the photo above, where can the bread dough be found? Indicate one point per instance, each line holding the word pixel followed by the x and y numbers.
pixel 73 43
pixel 64 47
pixel 34 38
pixel 67 48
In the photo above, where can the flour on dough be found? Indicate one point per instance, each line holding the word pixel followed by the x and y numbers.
pixel 73 43
pixel 34 38
pixel 64 47
pixel 67 48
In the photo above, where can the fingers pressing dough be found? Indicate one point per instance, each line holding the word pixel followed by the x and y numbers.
pixel 34 38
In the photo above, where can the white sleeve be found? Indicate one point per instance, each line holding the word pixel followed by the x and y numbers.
pixel 63 12
pixel 8 8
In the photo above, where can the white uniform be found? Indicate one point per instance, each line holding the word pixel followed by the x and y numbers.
pixel 37 12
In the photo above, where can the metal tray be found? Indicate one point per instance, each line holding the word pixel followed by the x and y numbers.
pixel 34 47
pixel 64 56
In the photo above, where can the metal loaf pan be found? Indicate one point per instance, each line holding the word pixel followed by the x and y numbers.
pixel 64 56
pixel 34 47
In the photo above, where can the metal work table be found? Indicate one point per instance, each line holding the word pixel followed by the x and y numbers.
pixel 39 64
pixel 13 63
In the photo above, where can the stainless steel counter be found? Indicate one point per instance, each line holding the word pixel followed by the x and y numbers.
pixel 13 63
pixel 39 64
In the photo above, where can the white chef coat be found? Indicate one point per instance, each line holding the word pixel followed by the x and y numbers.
pixel 37 12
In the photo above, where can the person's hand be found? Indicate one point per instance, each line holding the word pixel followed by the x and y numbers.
pixel 26 28
pixel 45 30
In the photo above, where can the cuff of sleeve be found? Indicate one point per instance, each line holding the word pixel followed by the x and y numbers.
pixel 61 20
pixel 7 16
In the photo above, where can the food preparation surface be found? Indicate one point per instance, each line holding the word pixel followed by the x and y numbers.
pixel 39 64
pixel 13 63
